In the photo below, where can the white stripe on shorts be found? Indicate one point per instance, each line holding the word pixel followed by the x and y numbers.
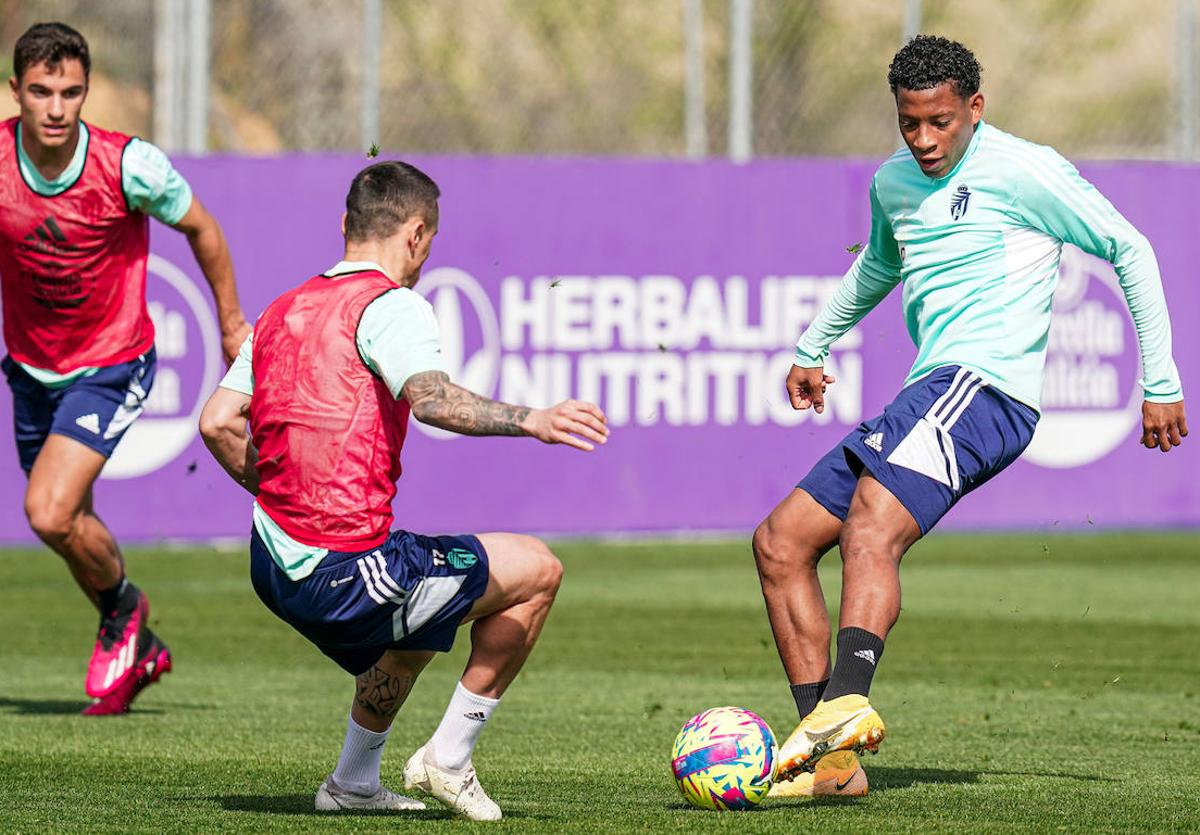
pixel 928 448
pixel 426 600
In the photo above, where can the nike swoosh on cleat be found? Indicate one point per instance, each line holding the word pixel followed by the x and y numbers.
pixel 842 786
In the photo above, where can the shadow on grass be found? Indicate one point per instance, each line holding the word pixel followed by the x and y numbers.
pixel 890 777
pixel 72 707
pixel 302 804
pixel 42 707
pixel 884 778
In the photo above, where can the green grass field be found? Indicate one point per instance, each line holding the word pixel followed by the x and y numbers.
pixel 1034 683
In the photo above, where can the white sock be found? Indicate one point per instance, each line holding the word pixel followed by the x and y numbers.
pixel 358 766
pixel 455 737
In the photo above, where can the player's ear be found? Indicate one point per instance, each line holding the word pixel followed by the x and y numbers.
pixel 975 103
pixel 15 86
pixel 343 224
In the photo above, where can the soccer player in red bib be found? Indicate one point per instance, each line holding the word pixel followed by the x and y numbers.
pixel 328 380
pixel 74 241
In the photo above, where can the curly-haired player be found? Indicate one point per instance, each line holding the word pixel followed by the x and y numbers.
pixel 972 221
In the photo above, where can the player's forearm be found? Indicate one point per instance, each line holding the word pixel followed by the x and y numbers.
pixel 1138 275
pixel 223 426
pixel 858 293
pixel 436 401
pixel 236 455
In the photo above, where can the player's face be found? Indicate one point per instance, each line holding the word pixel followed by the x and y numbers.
pixel 937 125
pixel 50 101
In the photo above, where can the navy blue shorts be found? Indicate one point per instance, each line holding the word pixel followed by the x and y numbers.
pixel 93 410
pixel 410 593
pixel 942 437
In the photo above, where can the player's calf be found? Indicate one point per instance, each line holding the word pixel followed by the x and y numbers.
pixel 524 577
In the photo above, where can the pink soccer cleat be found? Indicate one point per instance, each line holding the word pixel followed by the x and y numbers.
pixel 115 653
pixel 150 664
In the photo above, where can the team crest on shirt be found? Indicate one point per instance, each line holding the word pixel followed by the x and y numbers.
pixel 960 202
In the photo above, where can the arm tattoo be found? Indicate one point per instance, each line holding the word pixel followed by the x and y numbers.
pixel 437 401
pixel 379 693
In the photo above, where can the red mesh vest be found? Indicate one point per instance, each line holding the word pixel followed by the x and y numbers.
pixel 328 431
pixel 73 266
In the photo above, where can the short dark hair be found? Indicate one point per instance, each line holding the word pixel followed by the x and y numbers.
pixel 384 195
pixel 928 61
pixel 51 44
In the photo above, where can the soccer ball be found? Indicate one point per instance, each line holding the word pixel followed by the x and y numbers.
pixel 724 758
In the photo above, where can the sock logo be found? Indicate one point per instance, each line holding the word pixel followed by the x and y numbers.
pixel 475 715
pixel 866 655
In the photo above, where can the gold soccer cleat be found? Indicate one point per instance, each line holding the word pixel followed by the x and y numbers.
pixel 847 723
pixel 835 775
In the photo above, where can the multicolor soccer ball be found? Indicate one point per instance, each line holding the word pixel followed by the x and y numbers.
pixel 724 758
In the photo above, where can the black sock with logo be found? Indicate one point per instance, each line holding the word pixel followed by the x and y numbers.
pixel 807 696
pixel 858 654
pixel 120 599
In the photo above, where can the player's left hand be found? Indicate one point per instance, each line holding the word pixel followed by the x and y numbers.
pixel 233 334
pixel 571 422
pixel 1164 425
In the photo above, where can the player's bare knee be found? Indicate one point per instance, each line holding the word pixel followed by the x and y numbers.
pixel 51 521
pixel 764 552
pixel 777 554
pixel 549 571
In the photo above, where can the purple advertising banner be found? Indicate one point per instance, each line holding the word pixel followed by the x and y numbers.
pixel 671 293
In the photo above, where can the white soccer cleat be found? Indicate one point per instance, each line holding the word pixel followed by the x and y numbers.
pixel 460 791
pixel 333 798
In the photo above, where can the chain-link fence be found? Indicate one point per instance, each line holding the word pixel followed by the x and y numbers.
pixel 666 78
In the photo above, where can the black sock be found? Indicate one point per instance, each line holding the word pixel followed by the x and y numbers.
pixel 807 696
pixel 858 653
pixel 120 599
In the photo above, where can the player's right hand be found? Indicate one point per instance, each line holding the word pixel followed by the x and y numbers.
pixel 806 387
pixel 1164 425
pixel 570 422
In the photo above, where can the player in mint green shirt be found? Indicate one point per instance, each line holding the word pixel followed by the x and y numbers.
pixel 971 221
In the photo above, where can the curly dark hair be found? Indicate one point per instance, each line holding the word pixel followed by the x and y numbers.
pixel 928 60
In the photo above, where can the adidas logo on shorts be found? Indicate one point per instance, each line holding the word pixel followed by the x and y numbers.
pixel 875 441
pixel 89 422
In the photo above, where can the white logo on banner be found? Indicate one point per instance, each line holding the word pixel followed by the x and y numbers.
pixel 470 333
pixel 1087 411
pixel 168 424
pixel 650 349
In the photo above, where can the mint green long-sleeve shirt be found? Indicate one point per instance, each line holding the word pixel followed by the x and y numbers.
pixel 977 252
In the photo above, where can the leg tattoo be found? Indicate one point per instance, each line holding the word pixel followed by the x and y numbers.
pixel 381 693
